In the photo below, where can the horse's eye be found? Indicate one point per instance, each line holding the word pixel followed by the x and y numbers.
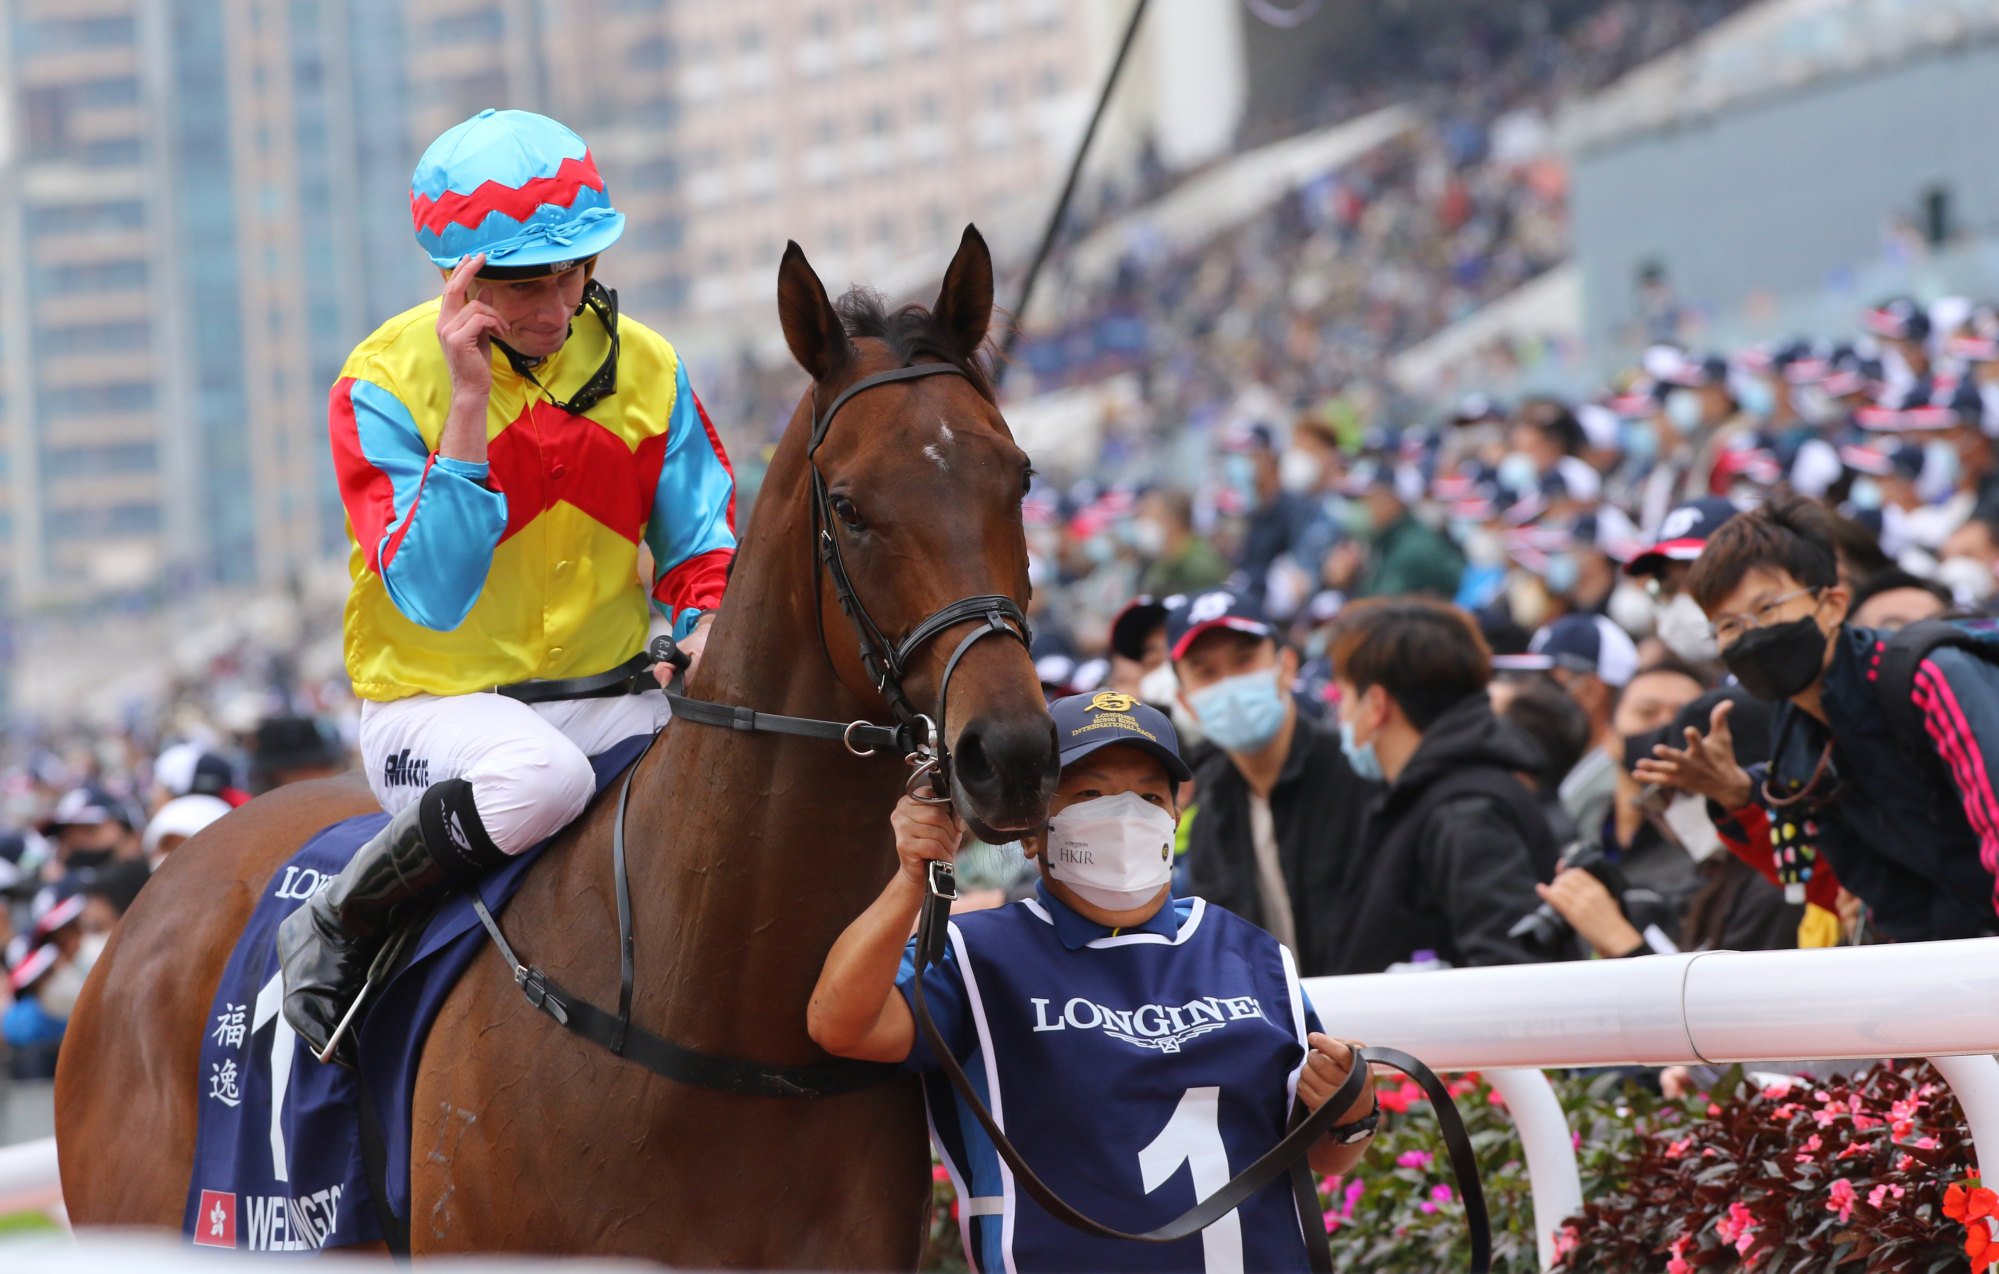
pixel 1027 477
pixel 844 509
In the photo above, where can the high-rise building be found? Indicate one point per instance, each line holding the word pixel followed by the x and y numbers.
pixel 870 131
pixel 203 207
pixel 191 261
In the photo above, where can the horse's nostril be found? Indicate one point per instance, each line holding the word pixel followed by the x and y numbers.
pixel 973 764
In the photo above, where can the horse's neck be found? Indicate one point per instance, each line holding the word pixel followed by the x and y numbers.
pixel 767 845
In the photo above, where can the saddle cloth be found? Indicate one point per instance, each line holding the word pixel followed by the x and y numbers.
pixel 278 1163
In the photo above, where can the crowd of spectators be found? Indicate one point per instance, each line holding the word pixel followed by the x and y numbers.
pixel 1493 683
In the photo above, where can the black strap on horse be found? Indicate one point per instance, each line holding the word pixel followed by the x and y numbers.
pixel 1287 1156
pixel 677 1062
pixel 917 737
pixel 634 676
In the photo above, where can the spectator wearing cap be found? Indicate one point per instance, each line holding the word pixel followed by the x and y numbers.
pixel 1970 565
pixel 1725 903
pixel 1278 520
pixel 1137 644
pixel 1592 659
pixel 1392 551
pixel 1903 328
pixel 1533 702
pixel 1893 599
pixel 292 749
pixel 45 984
pixel 1279 809
pixel 91 827
pixel 1177 559
pixel 1677 619
pixel 1914 836
pixel 175 822
pixel 188 769
pixel 1455 845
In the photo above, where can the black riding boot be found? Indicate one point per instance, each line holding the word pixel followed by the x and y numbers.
pixel 326 947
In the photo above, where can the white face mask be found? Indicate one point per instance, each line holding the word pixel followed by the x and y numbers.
pixel 59 988
pixel 89 949
pixel 1115 851
pixel 1683 627
pixel 1299 472
pixel 1631 609
pixel 1968 578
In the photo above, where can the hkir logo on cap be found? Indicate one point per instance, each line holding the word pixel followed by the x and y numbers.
pixel 1113 701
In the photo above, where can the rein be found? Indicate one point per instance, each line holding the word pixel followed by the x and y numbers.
pixel 1287 1156
pixel 919 740
pixel 916 738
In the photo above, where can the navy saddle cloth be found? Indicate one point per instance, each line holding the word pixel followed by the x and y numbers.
pixel 277 1157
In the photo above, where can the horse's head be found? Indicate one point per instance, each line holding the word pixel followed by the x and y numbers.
pixel 923 485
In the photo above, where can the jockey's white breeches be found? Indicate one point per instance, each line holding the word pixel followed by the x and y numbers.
pixel 528 765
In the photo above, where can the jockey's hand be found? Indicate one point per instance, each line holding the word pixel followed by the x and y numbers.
pixel 1326 1068
pixel 924 833
pixel 691 645
pixel 466 328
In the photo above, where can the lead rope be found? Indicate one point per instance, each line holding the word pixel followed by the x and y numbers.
pixel 1289 1153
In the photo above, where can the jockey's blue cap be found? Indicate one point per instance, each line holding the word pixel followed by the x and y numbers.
pixel 517 186
pixel 1086 722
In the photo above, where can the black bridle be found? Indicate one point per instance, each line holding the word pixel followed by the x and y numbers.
pixel 920 740
pixel 917 737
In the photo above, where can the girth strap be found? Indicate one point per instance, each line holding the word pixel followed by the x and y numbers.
pixel 1287 1156
pixel 677 1062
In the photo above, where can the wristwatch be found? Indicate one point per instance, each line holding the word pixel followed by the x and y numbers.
pixel 1357 1131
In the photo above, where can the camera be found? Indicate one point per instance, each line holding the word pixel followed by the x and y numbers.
pixel 1543 930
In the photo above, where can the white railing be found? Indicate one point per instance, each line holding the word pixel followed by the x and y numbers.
pixel 1938 1000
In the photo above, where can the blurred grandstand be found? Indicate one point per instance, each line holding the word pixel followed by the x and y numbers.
pixel 1451 210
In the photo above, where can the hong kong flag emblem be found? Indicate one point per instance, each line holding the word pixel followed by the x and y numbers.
pixel 215 1222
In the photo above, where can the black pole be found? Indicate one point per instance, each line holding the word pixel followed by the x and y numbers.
pixel 1068 190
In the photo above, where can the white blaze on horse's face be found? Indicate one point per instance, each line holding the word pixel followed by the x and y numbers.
pixel 935 450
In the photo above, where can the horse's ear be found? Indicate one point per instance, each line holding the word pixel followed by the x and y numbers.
pixel 811 327
pixel 965 303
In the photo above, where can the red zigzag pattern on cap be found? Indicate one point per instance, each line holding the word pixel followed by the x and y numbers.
pixel 518 202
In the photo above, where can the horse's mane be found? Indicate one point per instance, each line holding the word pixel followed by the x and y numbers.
pixel 911 332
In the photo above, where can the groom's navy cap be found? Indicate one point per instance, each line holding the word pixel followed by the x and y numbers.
pixel 1086 722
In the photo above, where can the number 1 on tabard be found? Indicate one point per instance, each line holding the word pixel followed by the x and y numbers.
pixel 1194 1137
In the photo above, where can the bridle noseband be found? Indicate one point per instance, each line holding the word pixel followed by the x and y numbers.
pixel 917 737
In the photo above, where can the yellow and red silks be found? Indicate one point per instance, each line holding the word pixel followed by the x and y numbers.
pixel 471 576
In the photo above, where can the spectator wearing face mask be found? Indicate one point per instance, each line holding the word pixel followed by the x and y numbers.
pixel 1678 621
pixel 1557 725
pixel 1970 566
pixel 1456 843
pixel 1177 559
pixel 1915 837
pixel 1893 599
pixel 1732 907
pixel 175 822
pixel 1393 552
pixel 1591 659
pixel 91 828
pixel 1278 520
pixel 1279 809
pixel 45 985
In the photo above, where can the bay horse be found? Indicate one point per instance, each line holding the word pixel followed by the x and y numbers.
pixel 750 853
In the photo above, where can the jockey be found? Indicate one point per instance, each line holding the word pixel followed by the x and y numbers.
pixel 502 453
pixel 1119 1029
